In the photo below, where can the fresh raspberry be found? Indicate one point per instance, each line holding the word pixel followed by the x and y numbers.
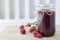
pixel 22 27
pixel 31 30
pixel 23 31
pixel 39 35
pixel 35 34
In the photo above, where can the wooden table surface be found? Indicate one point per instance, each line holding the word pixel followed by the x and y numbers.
pixel 12 33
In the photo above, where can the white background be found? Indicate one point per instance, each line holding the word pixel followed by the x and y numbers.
pixel 6 6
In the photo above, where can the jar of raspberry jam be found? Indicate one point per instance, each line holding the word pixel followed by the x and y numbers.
pixel 46 21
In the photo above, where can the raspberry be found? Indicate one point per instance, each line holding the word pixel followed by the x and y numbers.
pixel 22 27
pixel 31 30
pixel 39 35
pixel 23 31
pixel 35 34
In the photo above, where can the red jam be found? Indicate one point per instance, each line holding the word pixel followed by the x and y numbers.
pixel 47 25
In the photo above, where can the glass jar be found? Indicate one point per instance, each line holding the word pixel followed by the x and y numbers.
pixel 46 21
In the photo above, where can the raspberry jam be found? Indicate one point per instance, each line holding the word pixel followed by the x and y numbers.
pixel 47 25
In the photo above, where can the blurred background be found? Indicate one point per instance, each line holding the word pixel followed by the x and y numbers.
pixel 18 12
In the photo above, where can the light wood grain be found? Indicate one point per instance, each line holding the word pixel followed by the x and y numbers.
pixel 12 33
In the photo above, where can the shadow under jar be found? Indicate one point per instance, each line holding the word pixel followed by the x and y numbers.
pixel 46 25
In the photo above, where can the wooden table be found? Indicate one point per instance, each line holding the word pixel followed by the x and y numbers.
pixel 12 33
